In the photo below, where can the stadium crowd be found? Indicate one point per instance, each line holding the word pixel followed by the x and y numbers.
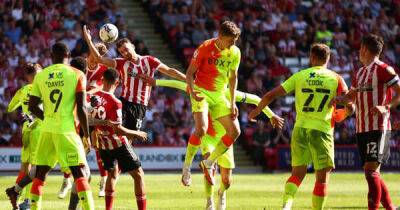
pixel 275 41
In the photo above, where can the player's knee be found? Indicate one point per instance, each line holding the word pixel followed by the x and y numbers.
pixel 137 174
pixel 32 172
pixel 234 132
pixel 200 132
pixel 226 181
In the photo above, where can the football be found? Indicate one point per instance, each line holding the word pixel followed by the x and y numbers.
pixel 108 33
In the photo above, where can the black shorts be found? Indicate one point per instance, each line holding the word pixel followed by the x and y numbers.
pixel 373 146
pixel 132 114
pixel 124 156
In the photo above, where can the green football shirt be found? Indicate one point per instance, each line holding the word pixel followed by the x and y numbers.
pixel 56 85
pixel 314 88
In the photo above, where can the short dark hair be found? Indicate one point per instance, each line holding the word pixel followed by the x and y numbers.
pixel 320 51
pixel 59 51
pixel 79 63
pixel 32 68
pixel 373 43
pixel 229 28
pixel 122 41
pixel 111 75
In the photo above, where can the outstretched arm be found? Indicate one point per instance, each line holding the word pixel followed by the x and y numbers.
pixel 266 100
pixel 171 72
pixel 109 62
pixel 15 102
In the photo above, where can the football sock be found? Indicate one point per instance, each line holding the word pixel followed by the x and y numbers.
pixel 109 199
pixel 36 194
pixel 23 183
pixel 222 188
pixel 141 202
pixel 385 197
pixel 26 192
pixel 374 189
pixel 291 186
pixel 191 150
pixel 84 193
pixel 208 188
pixel 100 164
pixel 221 148
pixel 22 191
pixel 319 196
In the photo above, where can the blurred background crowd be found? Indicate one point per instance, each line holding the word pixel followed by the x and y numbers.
pixel 275 40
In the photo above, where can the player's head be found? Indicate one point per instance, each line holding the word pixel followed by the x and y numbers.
pixel 30 71
pixel 228 34
pixel 110 79
pixel 126 48
pixel 371 46
pixel 79 63
pixel 59 52
pixel 319 54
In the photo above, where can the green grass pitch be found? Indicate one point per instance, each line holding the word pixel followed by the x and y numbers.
pixel 248 191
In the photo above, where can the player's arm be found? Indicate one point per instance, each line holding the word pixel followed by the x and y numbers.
pixel 171 84
pixel 82 112
pixel 232 90
pixel 171 72
pixel 131 134
pixel 109 62
pixel 34 108
pixel 15 101
pixel 266 100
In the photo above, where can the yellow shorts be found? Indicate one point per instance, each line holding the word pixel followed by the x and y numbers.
pixel 214 102
pixel 30 139
pixel 66 149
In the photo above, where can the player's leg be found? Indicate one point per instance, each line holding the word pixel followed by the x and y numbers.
pixel 232 132
pixel 37 186
pixel 206 147
pixel 109 162
pixel 226 180
pixel 74 198
pixel 221 111
pixel 103 175
pixel 129 162
pixel 301 157
pixel 322 152
pixel 200 112
pixel 110 187
pixel 320 188
pixel 71 154
pixel 374 150
pixel 66 185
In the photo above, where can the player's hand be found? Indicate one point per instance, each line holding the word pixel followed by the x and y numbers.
pixel 196 96
pixel 277 122
pixel 147 79
pixel 86 144
pixel 234 111
pixel 94 140
pixel 142 136
pixel 379 109
pixel 253 114
pixel 86 34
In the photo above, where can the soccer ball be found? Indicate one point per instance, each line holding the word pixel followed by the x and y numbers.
pixel 108 33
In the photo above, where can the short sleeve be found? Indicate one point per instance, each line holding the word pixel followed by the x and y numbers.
pixel 342 86
pixel 154 63
pixel 120 65
pixel 81 85
pixel 35 87
pixel 290 84
pixel 388 76
pixel 198 56
pixel 236 61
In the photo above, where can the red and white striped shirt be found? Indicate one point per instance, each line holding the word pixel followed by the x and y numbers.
pixel 107 107
pixel 134 89
pixel 372 84
pixel 95 77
